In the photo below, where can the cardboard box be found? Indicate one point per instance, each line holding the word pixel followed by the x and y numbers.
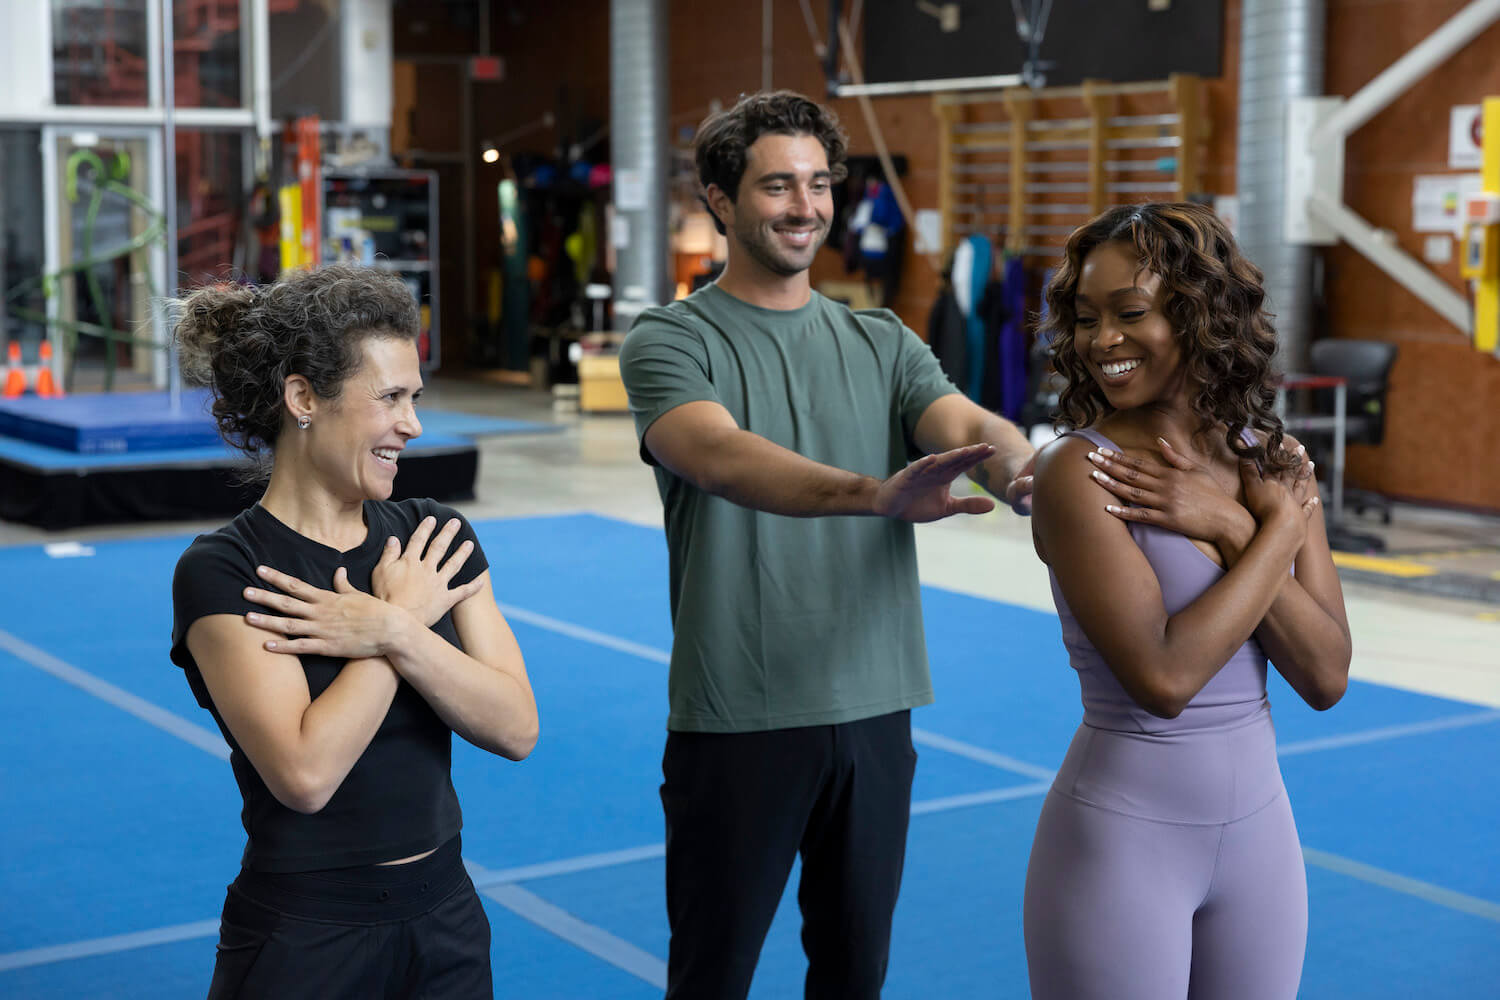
pixel 600 389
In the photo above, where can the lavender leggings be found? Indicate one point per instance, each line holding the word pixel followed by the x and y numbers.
pixel 1167 867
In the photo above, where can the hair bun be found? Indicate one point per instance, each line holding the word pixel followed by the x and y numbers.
pixel 207 320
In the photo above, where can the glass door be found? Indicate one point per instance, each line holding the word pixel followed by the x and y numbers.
pixel 106 247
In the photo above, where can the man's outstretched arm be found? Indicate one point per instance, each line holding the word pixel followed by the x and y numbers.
pixel 701 442
pixel 954 421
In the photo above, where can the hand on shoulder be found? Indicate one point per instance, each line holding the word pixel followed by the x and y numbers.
pixel 1171 491
pixel 418 575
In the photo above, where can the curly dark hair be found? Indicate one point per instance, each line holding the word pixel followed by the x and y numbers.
pixel 1214 300
pixel 242 341
pixel 724 138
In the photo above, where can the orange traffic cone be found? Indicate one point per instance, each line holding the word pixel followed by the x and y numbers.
pixel 46 385
pixel 15 378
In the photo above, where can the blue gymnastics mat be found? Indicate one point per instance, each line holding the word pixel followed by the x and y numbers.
pixel 105 430
pixel 110 423
pixel 121 825
pixel 44 458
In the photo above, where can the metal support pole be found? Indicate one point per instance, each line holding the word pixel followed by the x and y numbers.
pixel 1399 264
pixel 1397 78
pixel 1340 401
pixel 260 68
pixel 765 44
pixel 831 58
pixel 169 206
pixel 998 82
pixel 641 154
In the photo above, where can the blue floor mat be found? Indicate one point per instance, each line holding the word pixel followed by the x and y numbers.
pixel 110 826
pixel 441 429
pixel 113 826
pixel 454 422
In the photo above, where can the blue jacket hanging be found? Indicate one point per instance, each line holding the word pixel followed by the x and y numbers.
pixel 978 277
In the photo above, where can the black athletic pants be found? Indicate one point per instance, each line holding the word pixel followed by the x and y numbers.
pixel 414 932
pixel 740 806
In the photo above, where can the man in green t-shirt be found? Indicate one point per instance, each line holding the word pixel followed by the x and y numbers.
pixel 781 425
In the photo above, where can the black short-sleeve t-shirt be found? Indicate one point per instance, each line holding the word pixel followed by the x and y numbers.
pixel 398 800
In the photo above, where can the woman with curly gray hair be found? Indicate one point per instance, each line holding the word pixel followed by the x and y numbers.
pixel 339 639
pixel 1166 861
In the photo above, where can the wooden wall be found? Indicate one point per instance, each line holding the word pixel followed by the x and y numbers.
pixel 1443 419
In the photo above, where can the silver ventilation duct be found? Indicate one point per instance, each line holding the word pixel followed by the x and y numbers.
pixel 1281 57
pixel 639 153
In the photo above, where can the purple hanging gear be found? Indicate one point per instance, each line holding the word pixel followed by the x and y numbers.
pixel 1013 375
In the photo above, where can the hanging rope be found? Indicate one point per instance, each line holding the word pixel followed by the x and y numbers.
pixel 867 108
pixel 819 49
pixel 854 18
pixel 1031 28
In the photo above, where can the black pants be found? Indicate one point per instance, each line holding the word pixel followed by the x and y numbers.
pixel 371 933
pixel 740 806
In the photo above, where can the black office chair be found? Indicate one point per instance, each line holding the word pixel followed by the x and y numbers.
pixel 1043 387
pixel 1366 367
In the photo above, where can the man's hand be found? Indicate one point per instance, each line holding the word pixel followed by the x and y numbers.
pixel 1018 490
pixel 920 492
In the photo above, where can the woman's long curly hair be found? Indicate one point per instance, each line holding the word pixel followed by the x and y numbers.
pixel 1214 300
pixel 242 342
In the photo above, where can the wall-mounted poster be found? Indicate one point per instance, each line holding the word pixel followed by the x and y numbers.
pixel 1437 201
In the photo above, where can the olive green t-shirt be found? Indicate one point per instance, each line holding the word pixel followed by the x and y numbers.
pixel 784 621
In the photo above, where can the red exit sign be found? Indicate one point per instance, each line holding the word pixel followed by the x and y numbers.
pixel 486 68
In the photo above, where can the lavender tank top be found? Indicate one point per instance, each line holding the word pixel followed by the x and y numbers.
pixel 1236 694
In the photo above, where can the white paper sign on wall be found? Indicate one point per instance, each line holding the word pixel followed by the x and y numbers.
pixel 1464 135
pixel 929 231
pixel 1437 201
pixel 630 190
pixel 1227 208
